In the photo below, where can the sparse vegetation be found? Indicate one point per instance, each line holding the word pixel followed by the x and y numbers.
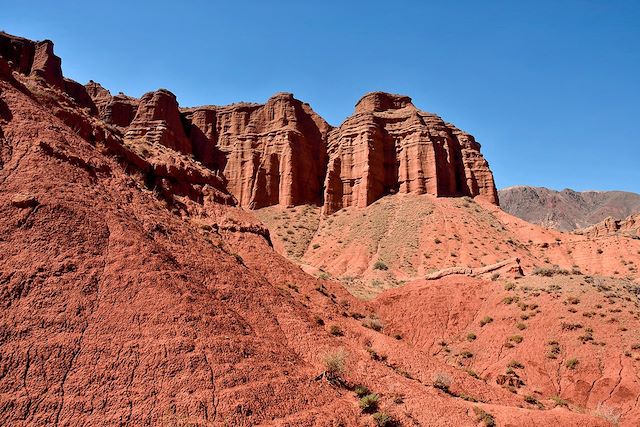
pixel 532 400
pixel 441 381
pixel 382 419
pixel 521 326
pixel 559 401
pixel 471 336
pixel 380 265
pixel 571 363
pixel 334 363
pixel 336 331
pixel 516 338
pixel 515 365
pixel 369 403
pixel 486 320
pixel 361 390
pixel 372 323
pixel 550 272
pixel 484 417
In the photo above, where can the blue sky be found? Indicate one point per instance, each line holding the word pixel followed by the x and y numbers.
pixel 551 89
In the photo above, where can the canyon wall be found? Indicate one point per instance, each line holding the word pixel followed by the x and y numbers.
pixel 389 146
pixel 280 152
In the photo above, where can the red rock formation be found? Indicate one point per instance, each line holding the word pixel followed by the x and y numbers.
pixel 32 58
pixel 269 154
pixel 390 146
pixel 157 121
pixel 118 110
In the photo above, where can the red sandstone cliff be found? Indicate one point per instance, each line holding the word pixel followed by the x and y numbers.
pixel 390 146
pixel 269 154
pixel 280 152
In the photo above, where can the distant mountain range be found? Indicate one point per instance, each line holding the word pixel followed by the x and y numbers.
pixel 567 210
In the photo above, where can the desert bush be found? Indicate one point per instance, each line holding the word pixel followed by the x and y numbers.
pixel 559 401
pixel 372 323
pixel 521 326
pixel 441 381
pixel 486 320
pixel 471 336
pixel 550 272
pixel 466 354
pixel 361 390
pixel 484 417
pixel 510 299
pixel 315 246
pixel 437 241
pixel 335 362
pixel 532 400
pixel 571 363
pixel 515 364
pixel 380 265
pixel 336 331
pixel 382 419
pixel 509 286
pixel 516 338
pixel 369 403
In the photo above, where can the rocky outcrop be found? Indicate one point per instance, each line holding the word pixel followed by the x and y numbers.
pixel 269 154
pixel 509 266
pixel 629 227
pixel 158 122
pixel 118 110
pixel 32 58
pixel 390 146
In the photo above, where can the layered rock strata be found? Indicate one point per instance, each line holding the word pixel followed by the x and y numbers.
pixel 390 146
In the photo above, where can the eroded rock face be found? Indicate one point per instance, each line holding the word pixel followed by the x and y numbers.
pixel 269 154
pixel 32 58
pixel 157 121
pixel 390 146
pixel 118 110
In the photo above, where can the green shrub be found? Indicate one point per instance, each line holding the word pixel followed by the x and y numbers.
pixel 549 272
pixel 571 363
pixel 485 320
pixel 369 403
pixel 532 400
pixel 372 323
pixel 361 390
pixel 484 417
pixel 379 265
pixel 382 419
pixel 336 330
pixel 516 338
pixel 334 363
pixel 559 401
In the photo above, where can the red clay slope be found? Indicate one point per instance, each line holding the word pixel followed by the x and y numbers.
pixel 133 292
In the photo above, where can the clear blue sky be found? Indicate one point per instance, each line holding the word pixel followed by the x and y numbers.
pixel 551 89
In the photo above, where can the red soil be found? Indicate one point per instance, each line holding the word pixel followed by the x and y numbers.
pixel 133 292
